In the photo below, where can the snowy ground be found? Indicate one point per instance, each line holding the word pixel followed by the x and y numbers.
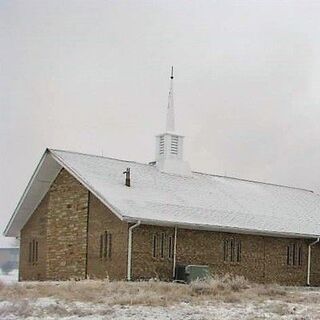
pixel 44 308
pixel 35 301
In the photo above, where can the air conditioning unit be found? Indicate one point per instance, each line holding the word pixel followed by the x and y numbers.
pixel 189 273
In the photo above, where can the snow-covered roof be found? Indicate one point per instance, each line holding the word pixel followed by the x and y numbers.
pixel 201 201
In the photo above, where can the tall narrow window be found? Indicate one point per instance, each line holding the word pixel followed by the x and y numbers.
pixel 170 247
pixel 238 256
pixel 162 245
pixel 30 252
pixel 288 255
pixel 105 251
pixel 225 250
pixel 294 254
pixel 33 253
pixel 154 246
pixel 105 245
pixel 109 245
pixel 300 256
pixel 33 250
pixel 36 254
pixel 101 246
pixel 232 250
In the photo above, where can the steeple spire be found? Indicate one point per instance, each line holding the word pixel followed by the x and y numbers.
pixel 170 127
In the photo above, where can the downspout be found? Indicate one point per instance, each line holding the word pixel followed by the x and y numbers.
pixel 174 252
pixel 309 260
pixel 130 249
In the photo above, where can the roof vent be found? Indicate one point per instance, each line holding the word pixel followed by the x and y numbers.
pixel 127 173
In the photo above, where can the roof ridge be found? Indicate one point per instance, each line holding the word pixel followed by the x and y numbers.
pixel 197 172
pixel 254 181
pixel 98 156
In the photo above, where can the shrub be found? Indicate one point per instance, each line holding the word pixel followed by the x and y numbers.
pixel 220 285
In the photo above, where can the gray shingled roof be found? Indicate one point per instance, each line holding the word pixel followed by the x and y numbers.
pixel 201 201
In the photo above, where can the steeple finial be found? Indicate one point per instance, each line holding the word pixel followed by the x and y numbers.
pixel 170 127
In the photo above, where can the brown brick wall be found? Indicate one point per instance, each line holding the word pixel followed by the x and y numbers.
pixel 67 228
pixel 34 229
pixel 144 265
pixel 276 268
pixel 263 259
pixel 101 219
pixel 59 224
pixel 315 265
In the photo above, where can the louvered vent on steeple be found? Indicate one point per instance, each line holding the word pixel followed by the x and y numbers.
pixel 161 146
pixel 174 144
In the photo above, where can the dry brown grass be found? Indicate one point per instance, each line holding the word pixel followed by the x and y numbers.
pixel 152 293
pixel 22 298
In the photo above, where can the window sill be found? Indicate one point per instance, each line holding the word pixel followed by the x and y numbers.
pixel 294 267
pixel 232 263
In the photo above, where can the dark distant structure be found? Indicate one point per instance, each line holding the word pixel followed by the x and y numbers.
pixel 9 259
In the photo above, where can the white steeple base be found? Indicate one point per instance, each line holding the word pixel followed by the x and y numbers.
pixel 174 166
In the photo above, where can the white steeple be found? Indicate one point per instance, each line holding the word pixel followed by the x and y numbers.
pixel 169 145
pixel 170 110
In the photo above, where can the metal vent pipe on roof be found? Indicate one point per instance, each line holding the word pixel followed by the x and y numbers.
pixel 127 173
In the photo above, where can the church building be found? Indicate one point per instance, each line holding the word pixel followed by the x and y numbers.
pixel 86 216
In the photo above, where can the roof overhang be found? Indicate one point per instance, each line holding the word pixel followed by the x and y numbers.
pixel 39 184
pixel 226 229
pixel 46 172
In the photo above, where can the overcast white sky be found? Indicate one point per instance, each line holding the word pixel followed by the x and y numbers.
pixel 93 76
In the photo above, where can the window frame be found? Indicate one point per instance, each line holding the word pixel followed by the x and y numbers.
pixel 232 250
pixel 105 246
pixel 294 256
pixel 154 245
pixel 109 246
pixel 30 252
pixel 101 247
pixel 33 252
pixel 238 251
pixel 170 247
pixel 162 245
pixel 300 256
